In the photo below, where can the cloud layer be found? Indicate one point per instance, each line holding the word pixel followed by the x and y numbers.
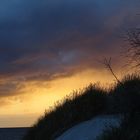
pixel 45 40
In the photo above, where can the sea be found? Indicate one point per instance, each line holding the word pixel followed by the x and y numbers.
pixel 12 133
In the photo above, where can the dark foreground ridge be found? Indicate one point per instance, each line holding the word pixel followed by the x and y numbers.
pixel 12 133
pixel 123 98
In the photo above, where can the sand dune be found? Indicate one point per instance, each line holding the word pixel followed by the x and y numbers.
pixel 91 129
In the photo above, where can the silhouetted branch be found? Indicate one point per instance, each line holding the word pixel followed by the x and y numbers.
pixel 133 51
pixel 107 63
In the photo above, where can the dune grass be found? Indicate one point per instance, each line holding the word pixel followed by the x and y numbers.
pixel 85 104
pixel 126 99
pixel 128 130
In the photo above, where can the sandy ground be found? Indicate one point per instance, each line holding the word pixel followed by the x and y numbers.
pixel 91 129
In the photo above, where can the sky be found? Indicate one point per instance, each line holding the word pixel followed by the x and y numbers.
pixel 50 48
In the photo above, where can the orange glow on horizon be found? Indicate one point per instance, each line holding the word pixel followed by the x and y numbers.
pixel 41 96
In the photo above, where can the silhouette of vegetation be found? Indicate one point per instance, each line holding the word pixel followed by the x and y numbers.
pixel 107 63
pixel 126 101
pixel 92 101
pixel 128 130
pixel 133 51
pixel 126 96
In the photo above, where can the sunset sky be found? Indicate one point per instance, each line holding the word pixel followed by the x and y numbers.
pixel 48 48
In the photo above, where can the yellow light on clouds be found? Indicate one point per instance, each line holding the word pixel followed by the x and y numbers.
pixel 42 95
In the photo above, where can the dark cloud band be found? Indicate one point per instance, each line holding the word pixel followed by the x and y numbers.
pixel 44 40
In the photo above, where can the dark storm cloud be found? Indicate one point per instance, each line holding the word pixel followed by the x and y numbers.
pixel 44 40
pixel 32 27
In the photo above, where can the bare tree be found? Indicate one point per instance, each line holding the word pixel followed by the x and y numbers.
pixel 133 51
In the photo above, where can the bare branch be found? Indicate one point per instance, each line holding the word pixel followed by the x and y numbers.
pixel 133 51
pixel 107 63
